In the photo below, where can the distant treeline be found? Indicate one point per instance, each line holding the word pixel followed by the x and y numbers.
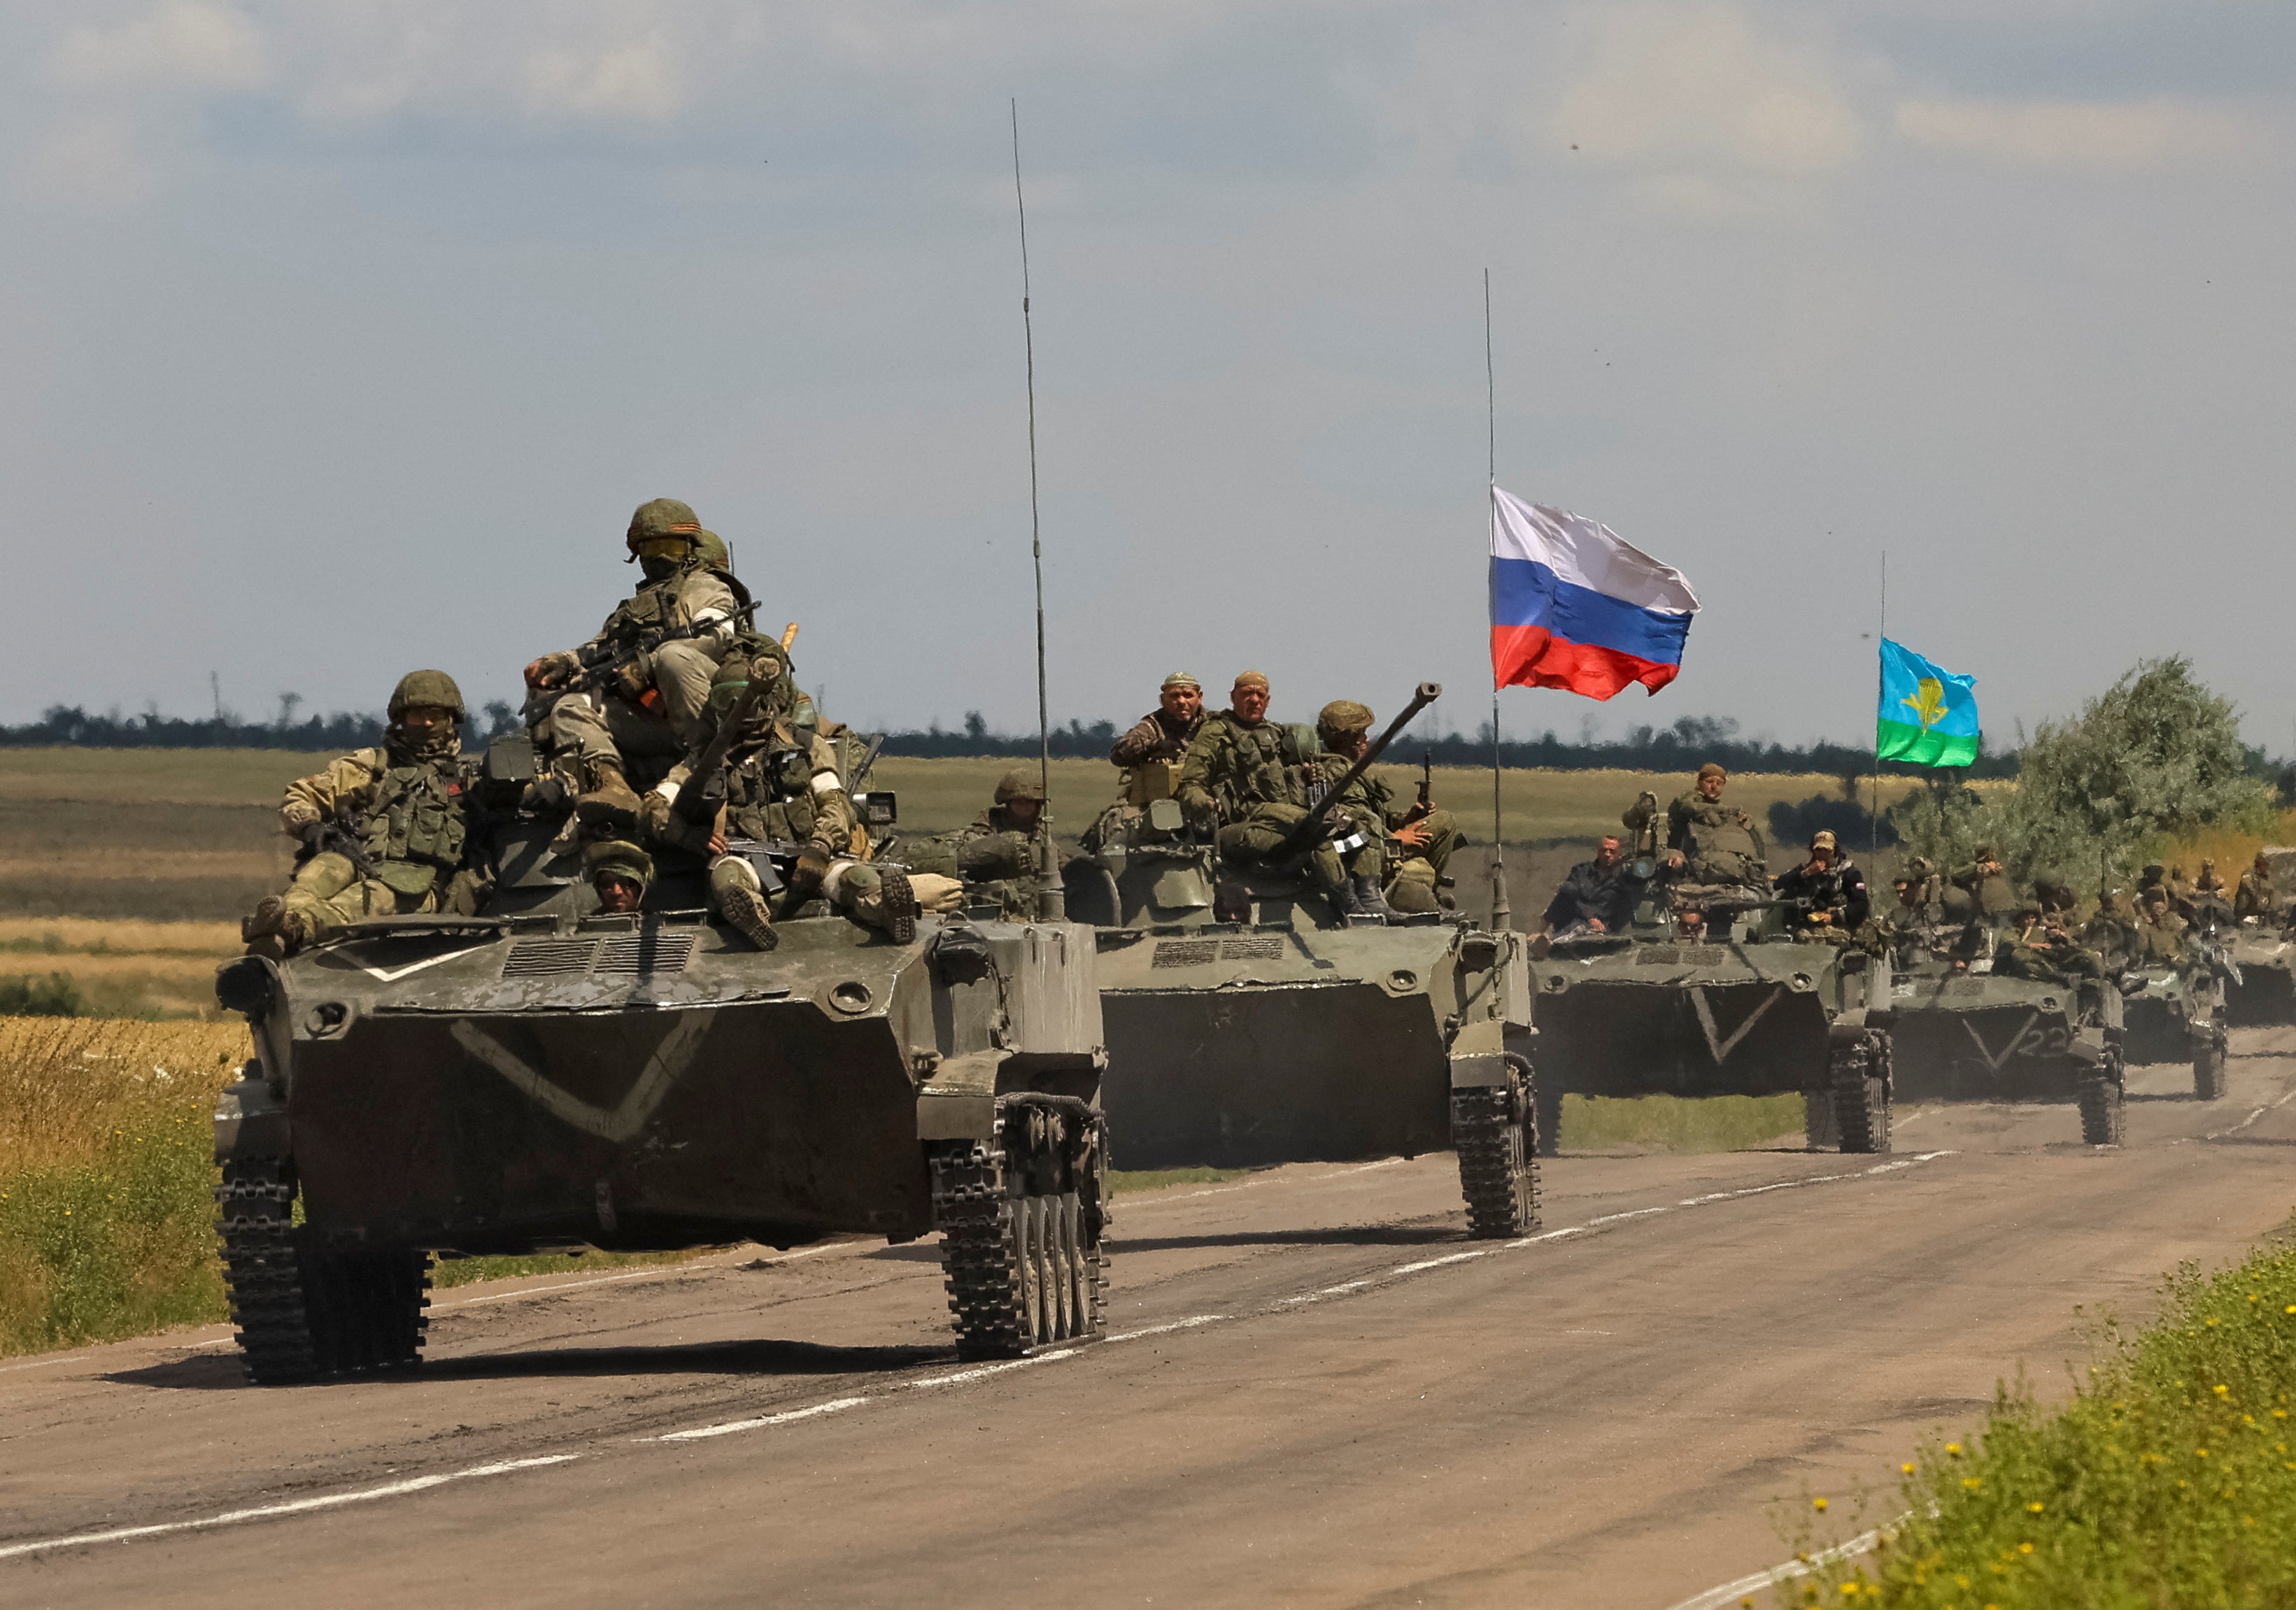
pixel 343 729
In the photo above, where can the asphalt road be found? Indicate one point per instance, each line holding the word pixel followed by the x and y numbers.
pixel 1324 1394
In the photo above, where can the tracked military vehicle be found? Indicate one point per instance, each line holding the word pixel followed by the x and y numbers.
pixel 1705 991
pixel 1964 1032
pixel 2264 958
pixel 2177 1013
pixel 1248 1024
pixel 544 1076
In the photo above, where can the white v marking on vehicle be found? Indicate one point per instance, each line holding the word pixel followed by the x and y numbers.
pixel 662 1070
pixel 1715 1043
pixel 2008 1049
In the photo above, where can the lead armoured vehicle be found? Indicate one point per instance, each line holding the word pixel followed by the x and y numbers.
pixel 1248 1024
pixel 1964 1031
pixel 1707 992
pixel 544 1076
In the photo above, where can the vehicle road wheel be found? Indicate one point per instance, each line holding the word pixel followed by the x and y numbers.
pixel 2103 1107
pixel 1495 1130
pixel 1862 1093
pixel 1024 1220
pixel 2209 1069
pixel 1820 1132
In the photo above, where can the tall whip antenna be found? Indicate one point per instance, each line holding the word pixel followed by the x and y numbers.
pixel 1502 912
pixel 1873 822
pixel 1051 903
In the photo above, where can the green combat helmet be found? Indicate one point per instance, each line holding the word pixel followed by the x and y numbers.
pixel 1340 717
pixel 426 688
pixel 1020 784
pixel 664 517
pixel 715 553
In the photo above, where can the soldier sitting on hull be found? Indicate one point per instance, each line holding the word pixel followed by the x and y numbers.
pixel 2154 877
pixel 619 871
pixel 386 831
pixel 1713 852
pixel 651 665
pixel 1834 887
pixel 2036 946
pixel 1987 882
pixel 1150 753
pixel 2111 933
pixel 994 859
pixel 1414 842
pixel 1596 896
pixel 2256 896
pixel 2161 933
pixel 774 783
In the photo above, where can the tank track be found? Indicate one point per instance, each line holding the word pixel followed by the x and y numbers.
pixel 1861 1089
pixel 2103 1108
pixel 1549 1101
pixel 1494 1129
pixel 303 1312
pixel 2209 1063
pixel 1024 1222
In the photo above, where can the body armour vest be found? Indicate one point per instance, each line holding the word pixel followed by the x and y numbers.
pixel 769 796
pixel 1723 848
pixel 414 828
pixel 1270 769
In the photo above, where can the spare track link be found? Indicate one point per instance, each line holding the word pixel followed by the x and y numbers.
pixel 1024 1218
pixel 1494 1129
pixel 303 1312
pixel 1861 1089
pixel 2102 1109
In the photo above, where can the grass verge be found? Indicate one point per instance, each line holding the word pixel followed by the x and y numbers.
pixel 1677 1123
pixel 2168 1480
pixel 1121 1179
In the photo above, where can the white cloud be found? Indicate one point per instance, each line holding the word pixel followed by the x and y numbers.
pixel 197 45
pixel 92 161
pixel 633 78
pixel 1699 87
pixel 2078 134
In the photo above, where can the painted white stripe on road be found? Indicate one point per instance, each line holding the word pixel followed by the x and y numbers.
pixel 988 1369
pixel 1457 1257
pixel 264 1512
pixel 78 1358
pixel 1157 1330
pixel 1714 1598
pixel 731 1426
pixel 2289 1095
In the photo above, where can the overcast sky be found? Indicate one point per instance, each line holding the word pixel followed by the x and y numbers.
pixel 340 336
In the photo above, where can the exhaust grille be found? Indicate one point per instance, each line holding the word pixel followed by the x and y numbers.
pixel 1185 953
pixel 1270 949
pixel 549 958
pixel 646 954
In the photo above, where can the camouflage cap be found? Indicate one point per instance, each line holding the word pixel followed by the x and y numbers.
pixel 1711 769
pixel 2153 868
pixel 426 688
pixel 664 517
pixel 1251 679
pixel 618 857
pixel 1823 840
pixel 1019 783
pixel 1181 679
pixel 1343 716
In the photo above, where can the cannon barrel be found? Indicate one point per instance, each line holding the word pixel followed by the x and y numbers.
pixel 1321 807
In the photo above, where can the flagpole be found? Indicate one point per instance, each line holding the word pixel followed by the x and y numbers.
pixel 1502 912
pixel 1051 901
pixel 1873 823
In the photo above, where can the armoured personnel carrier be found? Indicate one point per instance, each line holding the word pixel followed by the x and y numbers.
pixel 2177 1013
pixel 1707 991
pixel 1964 1031
pixel 2264 958
pixel 1248 1024
pixel 544 1076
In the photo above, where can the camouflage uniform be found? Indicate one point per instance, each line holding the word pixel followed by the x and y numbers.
pixel 2111 933
pixel 1987 884
pixel 1150 752
pixel 1410 875
pixel 406 809
pixel 2256 896
pixel 2043 952
pixel 1719 843
pixel 2160 943
pixel 997 857
pixel 650 706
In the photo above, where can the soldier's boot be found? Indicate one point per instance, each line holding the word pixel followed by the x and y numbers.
pixel 1346 895
pixel 745 908
pixel 1371 902
pixel 608 806
pixel 897 903
pixel 271 930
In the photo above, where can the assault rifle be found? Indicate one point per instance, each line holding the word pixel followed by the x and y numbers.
pixel 1319 809
pixel 697 802
pixel 335 838
pixel 603 663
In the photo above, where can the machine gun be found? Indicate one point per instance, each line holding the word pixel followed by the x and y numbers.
pixel 705 785
pixel 1319 809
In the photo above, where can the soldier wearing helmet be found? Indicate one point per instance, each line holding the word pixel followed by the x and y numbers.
pixel 640 700
pixel 994 858
pixel 2256 897
pixel 1412 845
pixel 1829 891
pixel 619 871
pixel 1707 841
pixel 778 784
pixel 385 831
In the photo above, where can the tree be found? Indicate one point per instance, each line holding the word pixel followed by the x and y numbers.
pixel 2156 756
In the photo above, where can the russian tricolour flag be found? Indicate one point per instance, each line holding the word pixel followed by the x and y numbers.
pixel 1575 605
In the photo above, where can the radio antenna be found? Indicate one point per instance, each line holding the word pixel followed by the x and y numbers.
pixel 1052 902
pixel 1502 916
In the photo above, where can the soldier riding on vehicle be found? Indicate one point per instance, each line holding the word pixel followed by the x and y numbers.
pixel 992 860
pixel 1150 752
pixel 1829 891
pixel 385 831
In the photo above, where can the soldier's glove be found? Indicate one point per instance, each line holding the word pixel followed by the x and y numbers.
pixel 805 875
pixel 653 815
pixel 551 670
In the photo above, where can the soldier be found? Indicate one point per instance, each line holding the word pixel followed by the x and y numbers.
pixel 775 783
pixel 2208 883
pixel 2038 947
pixel 1237 758
pixel 384 830
pixel 1707 841
pixel 1835 887
pixel 1416 842
pixel 2154 878
pixel 660 647
pixel 619 871
pixel 2256 897
pixel 1987 883
pixel 2054 895
pixel 1597 897
pixel 1928 887
pixel 996 855
pixel 2160 935
pixel 2111 933
pixel 1150 752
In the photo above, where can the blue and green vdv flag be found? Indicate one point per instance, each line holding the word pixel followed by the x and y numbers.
pixel 1928 715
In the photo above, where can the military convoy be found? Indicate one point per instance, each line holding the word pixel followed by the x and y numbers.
pixel 544 1075
pixel 1964 1031
pixel 1249 1025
